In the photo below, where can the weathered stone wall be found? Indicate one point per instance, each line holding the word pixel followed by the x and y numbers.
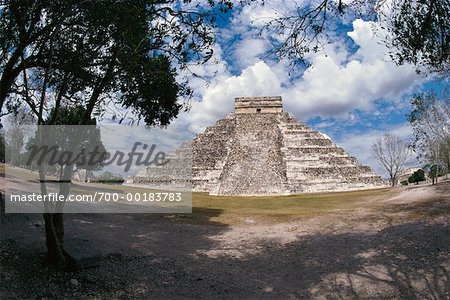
pixel 255 105
pixel 254 158
pixel 209 154
pixel 314 163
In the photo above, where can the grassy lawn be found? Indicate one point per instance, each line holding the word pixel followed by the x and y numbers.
pixel 274 209
pixel 282 208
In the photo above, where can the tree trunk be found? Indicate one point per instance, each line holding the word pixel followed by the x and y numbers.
pixel 58 221
pixel 54 219
pixel 54 238
pixel 54 229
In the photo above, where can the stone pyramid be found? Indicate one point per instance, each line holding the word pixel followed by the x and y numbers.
pixel 261 150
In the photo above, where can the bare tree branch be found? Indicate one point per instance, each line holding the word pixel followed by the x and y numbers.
pixel 392 153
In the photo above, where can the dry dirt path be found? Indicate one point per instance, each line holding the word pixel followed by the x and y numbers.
pixel 395 247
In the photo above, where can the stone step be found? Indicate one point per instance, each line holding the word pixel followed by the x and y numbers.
pixel 335 187
pixel 293 182
pixel 297 131
pixel 329 173
pixel 306 142
pixel 297 126
pixel 302 134
pixel 299 151
pixel 299 163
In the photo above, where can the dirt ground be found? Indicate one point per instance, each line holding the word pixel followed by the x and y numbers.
pixel 387 247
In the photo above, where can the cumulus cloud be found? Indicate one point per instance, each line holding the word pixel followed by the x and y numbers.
pixel 330 88
pixel 259 15
pixel 338 81
pixel 334 84
pixel 371 47
pixel 249 52
pixel 218 99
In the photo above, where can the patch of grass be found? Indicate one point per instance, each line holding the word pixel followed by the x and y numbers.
pixel 282 208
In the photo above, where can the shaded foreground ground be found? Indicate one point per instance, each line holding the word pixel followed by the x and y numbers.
pixel 372 244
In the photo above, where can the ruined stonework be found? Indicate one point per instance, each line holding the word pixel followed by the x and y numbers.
pixel 261 150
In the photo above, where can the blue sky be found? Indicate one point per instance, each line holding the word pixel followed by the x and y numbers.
pixel 351 91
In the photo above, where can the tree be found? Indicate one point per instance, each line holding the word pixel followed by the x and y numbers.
pixel 303 29
pixel 430 122
pixel 109 178
pixel 418 29
pixel 392 153
pixel 68 139
pixel 91 141
pixel 420 33
pixel 15 142
pixel 72 45
pixel 417 176
pixel 434 171
pixel 91 54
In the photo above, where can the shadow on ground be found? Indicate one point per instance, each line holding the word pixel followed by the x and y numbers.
pixel 158 257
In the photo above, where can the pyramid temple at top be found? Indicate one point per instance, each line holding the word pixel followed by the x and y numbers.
pixel 261 150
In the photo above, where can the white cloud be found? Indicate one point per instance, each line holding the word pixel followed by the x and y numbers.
pixel 331 87
pixel 218 99
pixel 259 15
pixel 249 52
pixel 328 89
pixel 371 47
pixel 336 83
